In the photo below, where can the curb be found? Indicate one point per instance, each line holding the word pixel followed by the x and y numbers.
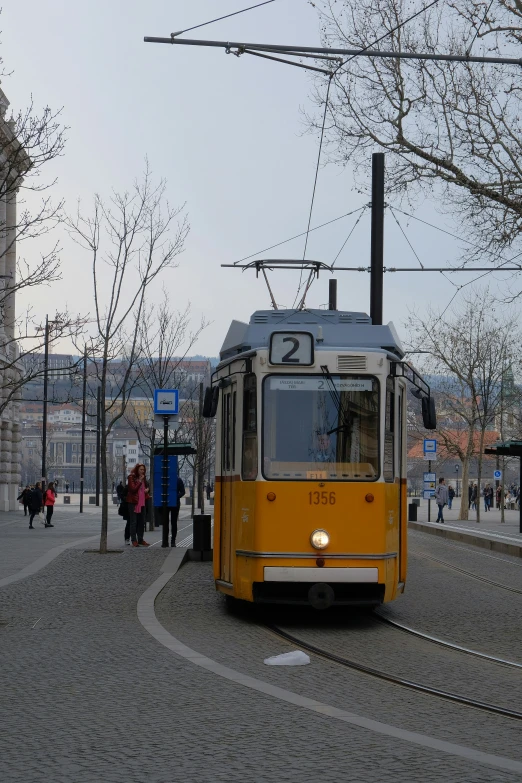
pixel 493 544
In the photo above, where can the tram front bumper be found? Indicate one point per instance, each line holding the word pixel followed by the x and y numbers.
pixel 329 587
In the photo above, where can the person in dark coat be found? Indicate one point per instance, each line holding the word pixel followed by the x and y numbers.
pixel 24 497
pixel 121 491
pixel 173 512
pixel 35 503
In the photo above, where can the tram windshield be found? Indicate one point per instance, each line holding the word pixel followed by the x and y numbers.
pixel 316 428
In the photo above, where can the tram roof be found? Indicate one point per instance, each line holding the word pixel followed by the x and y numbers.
pixel 339 329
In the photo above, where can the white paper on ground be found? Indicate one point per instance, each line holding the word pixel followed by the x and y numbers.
pixel 295 658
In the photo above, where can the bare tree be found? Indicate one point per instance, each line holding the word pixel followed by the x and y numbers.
pixel 468 350
pixel 132 239
pixel 457 126
pixel 166 338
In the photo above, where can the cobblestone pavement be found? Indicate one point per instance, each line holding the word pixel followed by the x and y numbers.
pixel 20 547
pixel 89 695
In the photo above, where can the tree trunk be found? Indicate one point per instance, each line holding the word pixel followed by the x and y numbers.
pixel 479 470
pixel 193 488
pixel 104 486
pixel 103 459
pixel 464 495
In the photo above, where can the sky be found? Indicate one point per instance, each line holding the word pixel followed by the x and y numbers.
pixel 229 136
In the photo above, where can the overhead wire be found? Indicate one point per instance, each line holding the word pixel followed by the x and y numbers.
pixel 334 73
pixel 349 235
pixel 406 238
pixel 468 50
pixel 315 183
pixel 220 18
pixel 298 236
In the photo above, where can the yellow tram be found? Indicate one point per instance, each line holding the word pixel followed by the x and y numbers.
pixel 310 490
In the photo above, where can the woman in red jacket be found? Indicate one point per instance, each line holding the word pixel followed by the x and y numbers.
pixel 49 500
pixel 137 493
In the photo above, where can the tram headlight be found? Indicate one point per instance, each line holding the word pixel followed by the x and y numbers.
pixel 319 539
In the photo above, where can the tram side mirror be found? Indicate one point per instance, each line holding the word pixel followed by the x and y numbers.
pixel 215 400
pixel 207 402
pixel 429 415
pixel 210 402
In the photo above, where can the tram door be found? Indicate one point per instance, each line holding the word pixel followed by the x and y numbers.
pixel 228 471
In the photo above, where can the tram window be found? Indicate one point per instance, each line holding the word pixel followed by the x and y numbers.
pixel 234 430
pixel 389 433
pixel 319 429
pixel 226 433
pixel 249 463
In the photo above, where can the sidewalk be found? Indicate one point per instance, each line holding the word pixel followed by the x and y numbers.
pixel 23 552
pixel 489 533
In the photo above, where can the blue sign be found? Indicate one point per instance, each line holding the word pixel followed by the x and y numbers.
pixel 166 402
pixel 497 475
pixel 172 495
pixel 430 446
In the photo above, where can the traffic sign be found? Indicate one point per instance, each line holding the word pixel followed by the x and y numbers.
pixel 166 402
pixel 457 468
pixel 430 446
pixel 497 475
pixel 428 494
pixel 430 477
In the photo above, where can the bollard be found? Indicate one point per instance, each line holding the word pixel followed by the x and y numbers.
pixel 201 537
pixel 412 512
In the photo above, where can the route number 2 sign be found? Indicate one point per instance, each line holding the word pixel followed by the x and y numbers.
pixel 292 349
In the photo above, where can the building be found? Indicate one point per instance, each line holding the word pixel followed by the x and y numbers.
pixel 13 168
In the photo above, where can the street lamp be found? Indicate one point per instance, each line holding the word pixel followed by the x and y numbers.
pixel 46 329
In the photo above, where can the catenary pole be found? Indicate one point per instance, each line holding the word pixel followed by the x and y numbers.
pixel 44 422
pixel 377 239
pixel 84 414
pixel 240 47
pixel 98 443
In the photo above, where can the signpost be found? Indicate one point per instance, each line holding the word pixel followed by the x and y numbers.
pixel 430 453
pixel 166 404
pixel 457 472
pixel 497 475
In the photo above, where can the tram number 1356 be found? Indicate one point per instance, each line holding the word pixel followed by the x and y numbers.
pixel 321 498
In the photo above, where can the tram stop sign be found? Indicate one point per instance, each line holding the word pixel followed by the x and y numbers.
pixel 166 402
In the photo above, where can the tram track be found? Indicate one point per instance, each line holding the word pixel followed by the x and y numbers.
pixel 391 678
pixel 446 644
pixel 467 573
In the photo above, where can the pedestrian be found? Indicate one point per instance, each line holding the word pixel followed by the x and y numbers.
pixel 67 486
pixel 23 497
pixel 121 491
pixel 441 498
pixel 488 497
pixel 208 492
pixel 35 503
pixel 498 495
pixel 451 495
pixel 173 512
pixel 470 494
pixel 49 501
pixel 137 492
pixel 474 497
